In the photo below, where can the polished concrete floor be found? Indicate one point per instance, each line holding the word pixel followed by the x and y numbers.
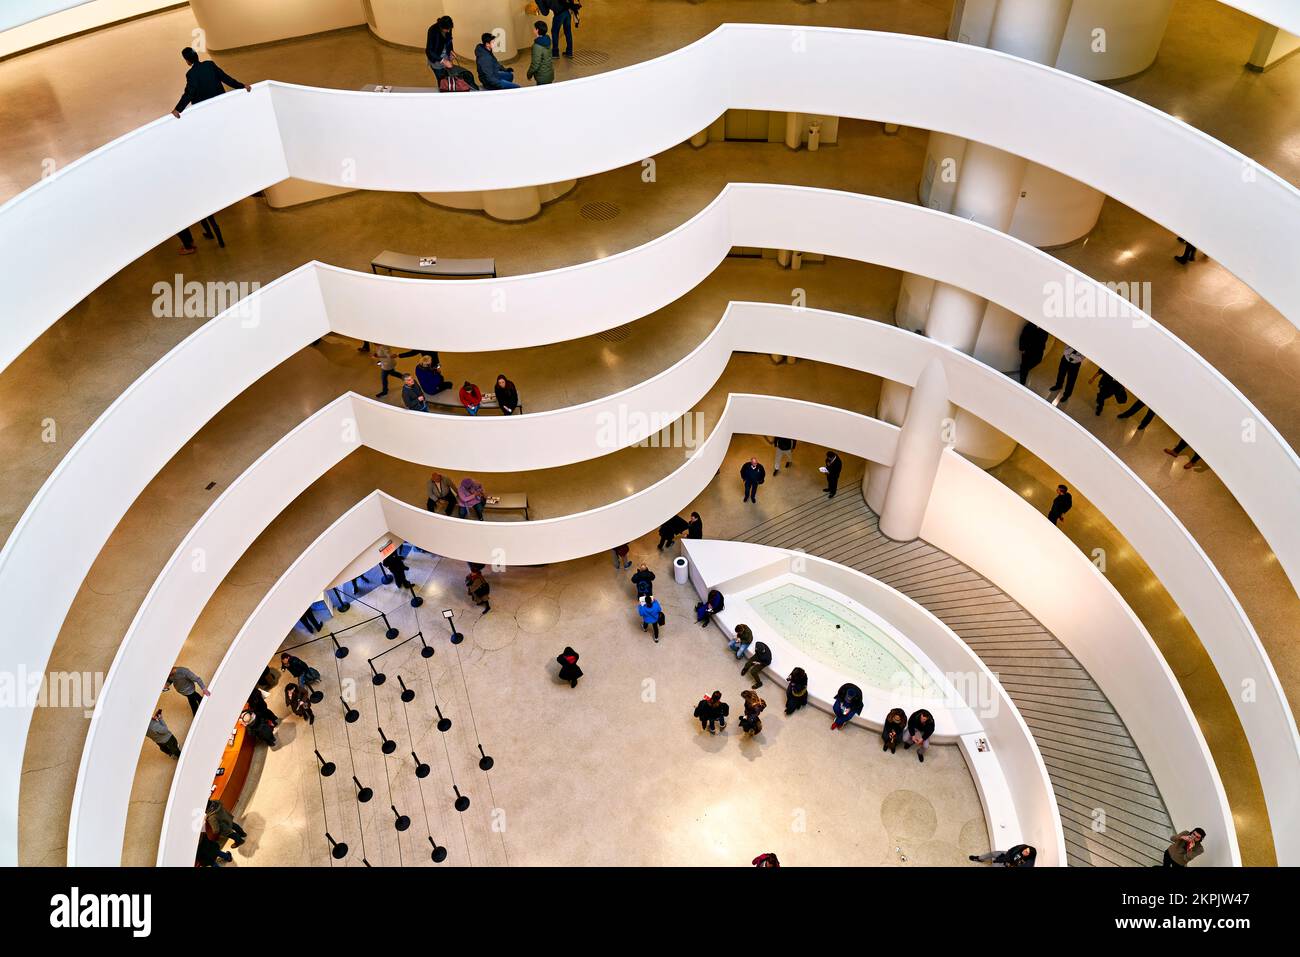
pixel 615 772
pixel 75 370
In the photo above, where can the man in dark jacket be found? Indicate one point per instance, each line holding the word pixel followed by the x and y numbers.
pixel 203 81
pixel 752 475
pixel 832 469
pixel 712 712
pixel 1018 855
pixel 1063 502
pixel 919 728
pixel 695 527
pixel 1033 342
pixel 670 529
pixel 491 73
pixel 761 659
pixel 397 568
pixel 413 395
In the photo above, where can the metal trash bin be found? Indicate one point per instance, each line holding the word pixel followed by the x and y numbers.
pixel 681 570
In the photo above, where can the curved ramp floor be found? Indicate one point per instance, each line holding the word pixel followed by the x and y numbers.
pixel 1091 760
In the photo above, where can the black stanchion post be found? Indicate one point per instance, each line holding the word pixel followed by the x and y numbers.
pixel 326 767
pixel 462 802
pixel 407 694
pixel 338 850
pixel 444 724
pixel 456 636
pixel 350 713
pixel 485 762
pixel 392 632
pixel 341 603
pixel 421 769
pixel 402 822
pixel 339 650
pixel 416 600
pixel 376 677
pixel 389 746
pixel 439 853
pixel 364 793
pixel 426 650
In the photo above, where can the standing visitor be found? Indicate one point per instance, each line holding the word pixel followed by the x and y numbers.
pixel 299 669
pixel 1137 406
pixel 569 670
pixel 670 529
pixel 750 722
pixel 541 70
pixel 1177 450
pixel 643 580
pixel 162 736
pixel 383 356
pixel 298 702
pixel 478 589
pixel 204 81
pixel 1063 502
pixel 712 713
pixel 1067 373
pixel 834 464
pixel 620 556
pixel 1033 343
pixel 784 454
pixel 751 476
pixel 222 823
pixel 440 53
pixel 695 527
pixel 1108 389
pixel 652 614
pixel 188 685
pixel 397 568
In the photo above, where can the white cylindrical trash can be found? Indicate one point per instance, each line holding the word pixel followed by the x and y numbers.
pixel 680 570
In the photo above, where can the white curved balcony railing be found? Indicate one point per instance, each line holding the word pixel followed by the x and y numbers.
pixel 114 460
pixel 1157 715
pixel 148 184
pixel 1280 13
pixel 574 434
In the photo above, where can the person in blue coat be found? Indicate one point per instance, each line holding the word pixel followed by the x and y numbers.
pixel 847 706
pixel 491 73
pixel 651 613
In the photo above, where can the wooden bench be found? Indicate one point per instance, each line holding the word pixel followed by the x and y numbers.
pixel 508 502
pixel 393 262
pixel 450 399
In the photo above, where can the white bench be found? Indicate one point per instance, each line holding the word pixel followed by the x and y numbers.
pixel 450 399
pixel 393 262
pixel 508 502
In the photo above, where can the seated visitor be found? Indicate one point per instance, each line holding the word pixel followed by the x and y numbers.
pixel 705 610
pixel 471 397
pixel 919 728
pixel 470 495
pixel 413 395
pixel 491 73
pixel 507 396
pixel 847 705
pixel 429 375
pixel 894 730
pixel 741 642
pixel 796 690
pixel 440 53
pixel 761 658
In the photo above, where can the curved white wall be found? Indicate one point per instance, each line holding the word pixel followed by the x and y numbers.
pixel 167 175
pixel 574 434
pixel 94 485
pixel 1158 708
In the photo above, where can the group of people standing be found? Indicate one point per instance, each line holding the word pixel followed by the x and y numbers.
pixel 752 473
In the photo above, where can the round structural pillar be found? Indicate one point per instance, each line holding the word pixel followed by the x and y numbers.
pixel 927 431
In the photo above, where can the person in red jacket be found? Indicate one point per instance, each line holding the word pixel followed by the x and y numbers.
pixel 471 397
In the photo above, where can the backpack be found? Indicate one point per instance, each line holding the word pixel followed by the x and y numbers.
pixel 643 588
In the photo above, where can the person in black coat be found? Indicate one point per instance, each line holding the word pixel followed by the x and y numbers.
pixel 439 51
pixel 752 475
pixel 712 713
pixel 569 670
pixel 846 706
pixel 203 81
pixel 705 610
pixel 832 469
pixel 1033 343
pixel 919 728
pixel 695 527
pixel 796 690
pixel 1018 855
pixel 397 568
pixel 643 580
pixel 894 730
pixel 670 529
pixel 507 396
pixel 761 658
pixel 1063 502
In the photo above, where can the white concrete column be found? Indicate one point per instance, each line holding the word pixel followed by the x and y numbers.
pixel 892 408
pixel 927 431
pixel 1031 29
